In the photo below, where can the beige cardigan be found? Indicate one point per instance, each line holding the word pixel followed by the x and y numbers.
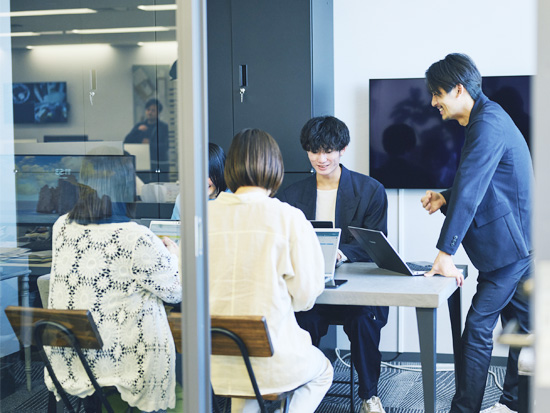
pixel 265 259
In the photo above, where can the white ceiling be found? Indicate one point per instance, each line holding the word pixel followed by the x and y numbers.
pixel 111 14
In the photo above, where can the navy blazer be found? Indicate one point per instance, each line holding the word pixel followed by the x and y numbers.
pixel 361 201
pixel 489 205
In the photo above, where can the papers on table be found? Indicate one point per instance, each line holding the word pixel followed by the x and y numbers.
pixel 8 253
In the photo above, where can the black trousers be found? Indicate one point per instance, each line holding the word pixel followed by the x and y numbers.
pixel 362 324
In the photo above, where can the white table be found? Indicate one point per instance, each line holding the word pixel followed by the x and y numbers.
pixel 369 285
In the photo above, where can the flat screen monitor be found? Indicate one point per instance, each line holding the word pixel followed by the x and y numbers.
pixel 65 138
pixel 48 184
pixel 40 102
pixel 412 147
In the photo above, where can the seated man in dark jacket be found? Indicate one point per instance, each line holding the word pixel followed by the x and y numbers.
pixel 346 198
pixel 154 132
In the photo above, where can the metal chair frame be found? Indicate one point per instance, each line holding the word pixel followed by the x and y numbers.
pixel 248 364
pixel 38 330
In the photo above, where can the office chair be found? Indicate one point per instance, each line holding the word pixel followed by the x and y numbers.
pixel 75 329
pixel 241 336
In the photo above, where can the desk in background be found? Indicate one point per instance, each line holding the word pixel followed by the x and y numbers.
pixel 12 267
pixel 369 285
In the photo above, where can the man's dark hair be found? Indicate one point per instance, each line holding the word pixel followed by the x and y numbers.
pixel 155 102
pixel 324 133
pixel 454 69
pixel 216 163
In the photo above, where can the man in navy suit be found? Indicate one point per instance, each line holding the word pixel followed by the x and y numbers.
pixel 488 210
pixel 346 198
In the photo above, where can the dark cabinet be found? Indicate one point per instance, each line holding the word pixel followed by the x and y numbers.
pixel 281 54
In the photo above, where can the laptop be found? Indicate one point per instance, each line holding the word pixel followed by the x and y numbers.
pixel 329 238
pixel 384 255
pixel 142 152
pixel 322 224
pixel 166 228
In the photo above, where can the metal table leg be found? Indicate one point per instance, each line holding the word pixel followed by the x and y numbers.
pixel 426 320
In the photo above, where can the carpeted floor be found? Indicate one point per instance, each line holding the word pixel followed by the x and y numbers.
pixel 399 390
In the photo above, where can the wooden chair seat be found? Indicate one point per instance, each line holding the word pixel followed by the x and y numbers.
pixel 239 336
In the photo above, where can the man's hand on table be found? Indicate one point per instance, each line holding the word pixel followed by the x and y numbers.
pixel 445 266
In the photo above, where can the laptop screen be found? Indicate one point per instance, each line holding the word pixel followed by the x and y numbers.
pixel 166 228
pixel 329 239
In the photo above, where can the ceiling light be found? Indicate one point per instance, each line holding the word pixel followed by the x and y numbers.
pixel 122 30
pixel 157 7
pixel 20 34
pixel 166 43
pixel 79 46
pixel 53 12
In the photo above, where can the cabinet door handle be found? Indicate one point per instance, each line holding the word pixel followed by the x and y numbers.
pixel 243 80
pixel 243 75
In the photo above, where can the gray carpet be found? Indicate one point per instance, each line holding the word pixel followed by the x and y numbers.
pixel 400 391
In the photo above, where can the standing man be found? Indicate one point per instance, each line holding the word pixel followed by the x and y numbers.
pixel 154 132
pixel 346 198
pixel 488 210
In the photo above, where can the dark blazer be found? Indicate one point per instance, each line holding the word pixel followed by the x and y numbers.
pixel 360 202
pixel 157 134
pixel 489 205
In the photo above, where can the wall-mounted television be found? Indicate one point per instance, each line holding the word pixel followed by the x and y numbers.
pixel 412 147
pixel 40 102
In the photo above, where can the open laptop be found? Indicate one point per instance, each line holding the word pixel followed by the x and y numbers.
pixel 329 238
pixel 384 255
pixel 166 228
pixel 142 152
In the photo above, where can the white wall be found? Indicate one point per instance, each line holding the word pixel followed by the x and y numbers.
pixel 111 115
pixel 400 38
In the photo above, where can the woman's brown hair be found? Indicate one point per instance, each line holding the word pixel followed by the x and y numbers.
pixel 254 159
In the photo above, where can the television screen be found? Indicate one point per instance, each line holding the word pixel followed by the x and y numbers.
pixel 40 102
pixel 411 147
pixel 48 184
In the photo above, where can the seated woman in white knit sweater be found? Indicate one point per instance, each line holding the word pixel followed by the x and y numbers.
pixel 265 259
pixel 122 273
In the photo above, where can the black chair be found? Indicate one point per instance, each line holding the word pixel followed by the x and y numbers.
pixel 242 336
pixel 75 329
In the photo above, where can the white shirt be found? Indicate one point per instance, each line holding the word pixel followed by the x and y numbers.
pixel 325 209
pixel 265 259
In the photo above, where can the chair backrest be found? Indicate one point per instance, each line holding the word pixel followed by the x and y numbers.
pixel 252 330
pixel 43 283
pixel 79 322
pixel 59 328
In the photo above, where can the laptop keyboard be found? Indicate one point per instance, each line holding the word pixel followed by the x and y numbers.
pixel 419 267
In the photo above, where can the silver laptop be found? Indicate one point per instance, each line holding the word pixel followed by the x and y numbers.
pixel 329 238
pixel 166 228
pixel 142 152
pixel 384 255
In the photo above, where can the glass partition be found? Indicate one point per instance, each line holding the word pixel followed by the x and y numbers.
pixel 88 79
